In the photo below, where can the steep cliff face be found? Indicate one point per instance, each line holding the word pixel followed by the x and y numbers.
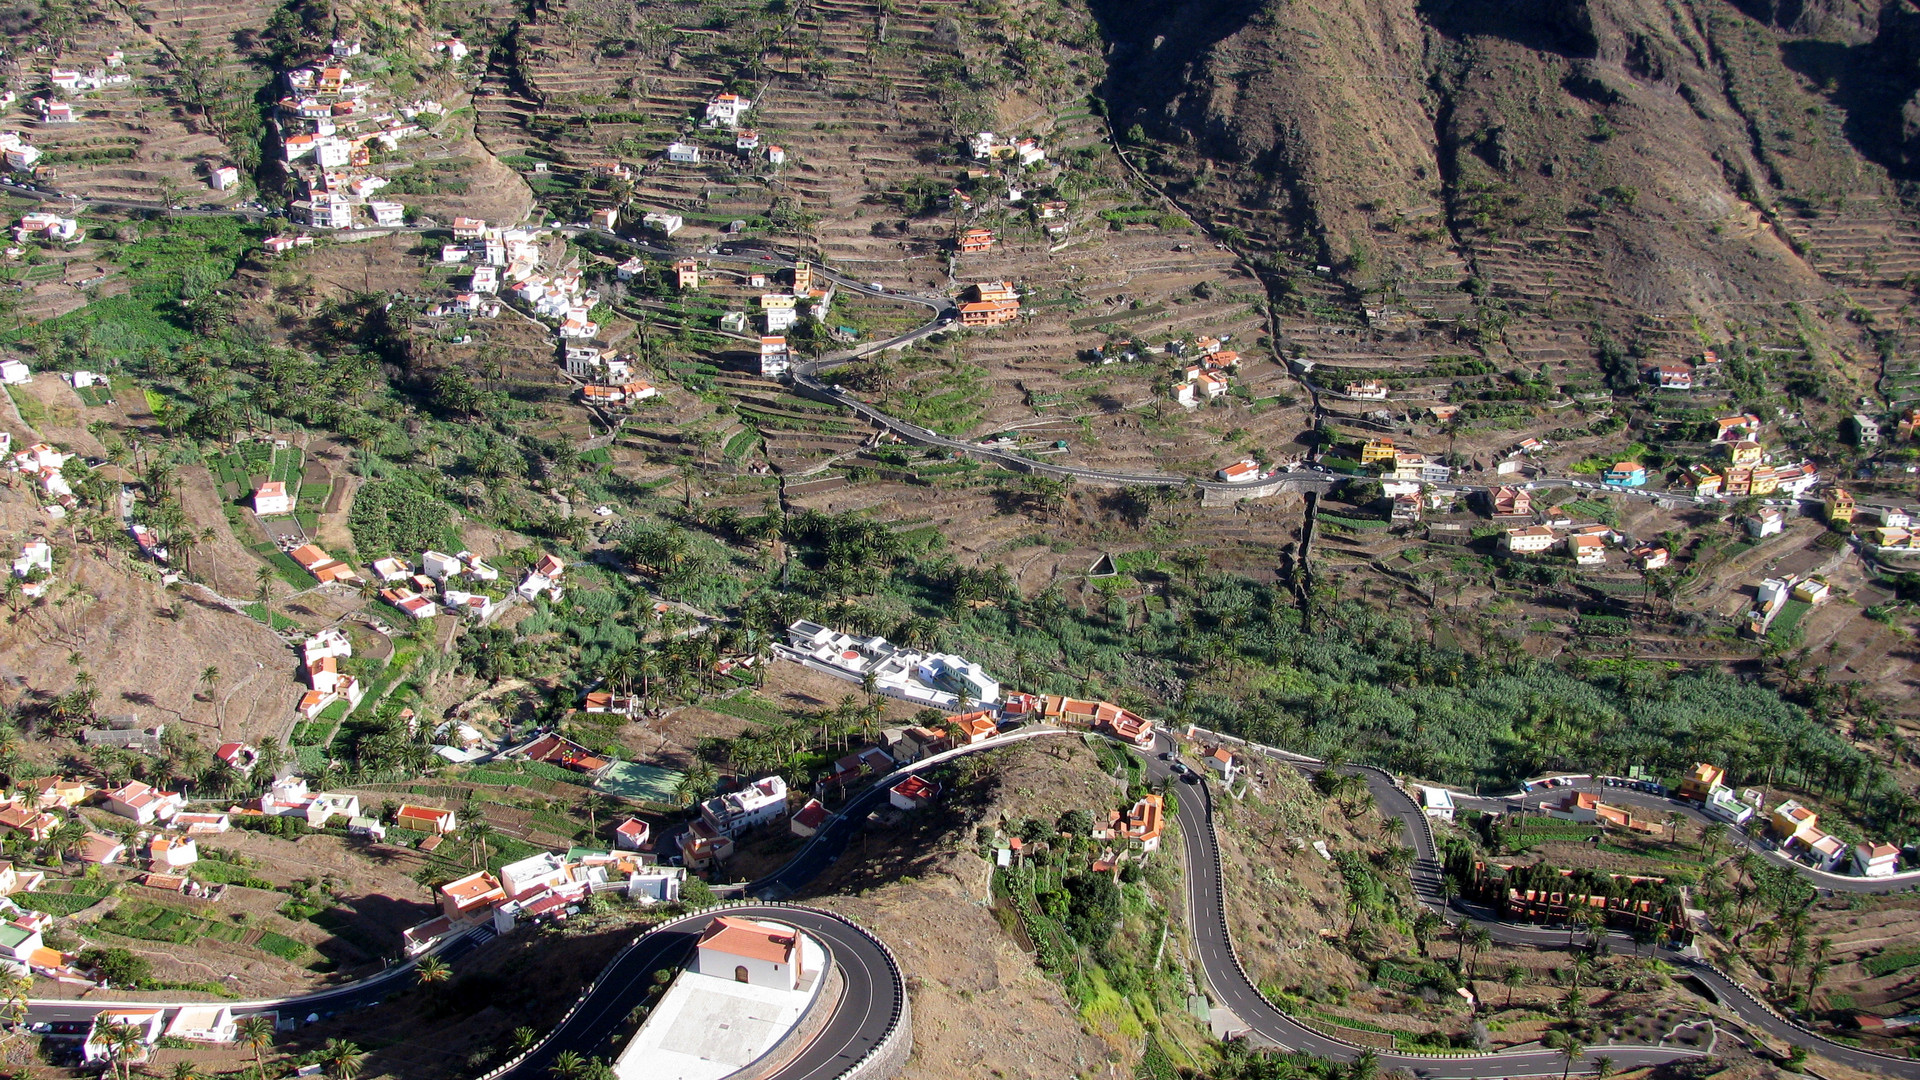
pixel 1893 75
pixel 1621 164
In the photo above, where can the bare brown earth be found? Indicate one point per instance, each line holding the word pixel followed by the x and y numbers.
pixel 144 646
pixel 980 1007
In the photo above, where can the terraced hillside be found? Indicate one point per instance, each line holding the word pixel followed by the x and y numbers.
pixel 873 106
pixel 134 141
pixel 1546 185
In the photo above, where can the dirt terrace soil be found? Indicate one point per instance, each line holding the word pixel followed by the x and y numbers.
pixel 372 894
pixel 112 614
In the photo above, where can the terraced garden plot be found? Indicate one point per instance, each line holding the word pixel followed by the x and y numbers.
pixel 1892 960
pixel 152 922
pixel 260 613
pixel 290 572
pixel 1787 623
pixel 57 903
pixel 281 946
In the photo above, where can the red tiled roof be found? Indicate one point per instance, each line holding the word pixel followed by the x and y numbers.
pixel 812 814
pixel 739 937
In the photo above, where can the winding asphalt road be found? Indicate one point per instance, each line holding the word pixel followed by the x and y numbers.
pixel 874 995
pixel 1231 985
pixel 1747 838
pixel 875 989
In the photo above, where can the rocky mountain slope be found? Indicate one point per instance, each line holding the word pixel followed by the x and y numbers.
pixel 1550 174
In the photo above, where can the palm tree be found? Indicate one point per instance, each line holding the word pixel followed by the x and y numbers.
pixel 122 1042
pixel 686 789
pixel 257 1032
pixel 343 1058
pixel 432 971
pixel 1569 1045
pixel 209 678
pixel 1477 939
pixel 477 832
pixel 568 1065
pixel 522 1039
pixel 263 583
pixel 14 991
pixel 68 837
pixel 595 804
pixel 1424 924
pixel 1713 835
pixel 185 1070
pixel 1514 977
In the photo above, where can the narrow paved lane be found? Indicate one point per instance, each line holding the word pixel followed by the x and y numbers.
pixel 1417 832
pixel 875 994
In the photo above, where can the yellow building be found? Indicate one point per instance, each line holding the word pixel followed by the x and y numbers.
pixel 1375 451
pixel 1700 783
pixel 689 273
pixel 1839 504
pixel 1745 452
pixel 1791 821
pixel 1704 481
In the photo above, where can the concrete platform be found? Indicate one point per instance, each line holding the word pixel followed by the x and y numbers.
pixel 705 1028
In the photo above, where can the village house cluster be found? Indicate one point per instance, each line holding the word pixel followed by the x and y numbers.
pixel 1400 466
pixel 1746 469
pixel 1887 529
pixel 809 293
pixel 1208 375
pixel 725 113
pixel 1796 829
pixel 548 886
pixel 328 124
pixel 937 680
pixel 460 582
pixel 1699 372
pixel 34 568
pixel 214 1024
pixel 44 225
pixel 320 658
pixel 109 72
pixel 1016 157
pixel 496 255
pixel 45 466
pixel 610 379
pixel 725 819
pixel 325 569
pixel 1771 598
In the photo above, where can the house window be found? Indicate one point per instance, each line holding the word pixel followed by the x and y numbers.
pixel 740 973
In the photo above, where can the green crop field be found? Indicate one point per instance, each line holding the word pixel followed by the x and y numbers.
pixel 56 903
pixel 281 946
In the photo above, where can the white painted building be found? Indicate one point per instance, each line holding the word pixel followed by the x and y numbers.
pixel 751 951
pixel 759 803
pixel 1437 803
